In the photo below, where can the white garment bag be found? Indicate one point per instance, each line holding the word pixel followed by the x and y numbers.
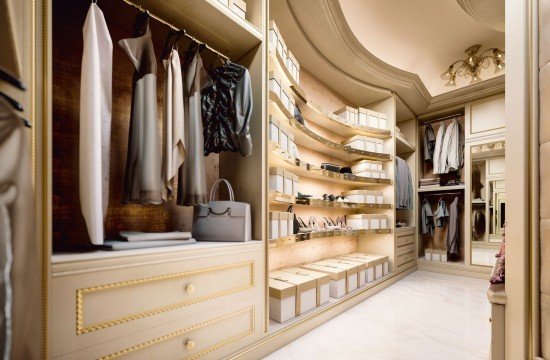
pixel 174 142
pixel 95 122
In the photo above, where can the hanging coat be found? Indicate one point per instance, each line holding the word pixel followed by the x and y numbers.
pixel 95 122
pixel 453 231
pixel 403 185
pixel 174 142
pixel 441 214
pixel 192 174
pixel 429 143
pixel 438 149
pixel 427 218
pixel 452 152
pixel 20 294
pixel 142 179
pixel 227 110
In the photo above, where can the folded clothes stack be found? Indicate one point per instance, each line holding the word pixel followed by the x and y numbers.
pixel 429 182
pixel 141 240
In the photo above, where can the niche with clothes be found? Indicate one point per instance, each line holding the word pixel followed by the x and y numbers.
pixel 441 226
pixel 69 227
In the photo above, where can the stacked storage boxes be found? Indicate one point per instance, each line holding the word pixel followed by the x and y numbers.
pixel 237 6
pixel 294 291
pixel 278 45
pixel 281 224
pixel 365 143
pixel 363 117
pixel 369 168
pixel 367 221
pixel 283 181
pixel 365 196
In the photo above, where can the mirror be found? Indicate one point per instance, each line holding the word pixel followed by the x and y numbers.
pixel 488 202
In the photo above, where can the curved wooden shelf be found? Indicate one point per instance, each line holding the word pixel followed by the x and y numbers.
pixel 280 159
pixel 292 239
pixel 339 151
pixel 318 203
pixel 338 125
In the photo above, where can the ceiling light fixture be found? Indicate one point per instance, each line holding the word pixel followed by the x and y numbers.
pixel 472 65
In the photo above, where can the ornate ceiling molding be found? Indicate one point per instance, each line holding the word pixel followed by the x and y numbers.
pixel 483 11
pixel 329 38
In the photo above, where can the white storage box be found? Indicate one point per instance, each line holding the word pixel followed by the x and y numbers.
pixel 283 224
pixel 370 265
pixel 379 197
pixel 274 126
pixel 280 44
pixel 291 145
pixel 295 181
pixel 239 8
pixel 306 289
pixel 352 272
pixel 274 218
pixel 288 61
pixel 374 221
pixel 372 117
pixel 443 256
pixel 288 176
pixel 363 119
pixel 290 221
pixel 359 221
pixel 347 113
pixel 370 197
pixel 355 196
pixel 322 279
pixel 382 121
pixel 381 263
pixel 283 138
pixel 428 254
pixel 225 2
pixel 377 165
pixel 362 165
pixel 375 174
pixel 436 255
pixel 383 221
pixel 285 99
pixel 356 142
pixel 366 173
pixel 297 64
pixel 282 300
pixel 291 105
pixel 295 68
pixel 276 179
pixel 379 145
pixel 275 84
pixel 273 36
pixel 361 269
pixel 338 279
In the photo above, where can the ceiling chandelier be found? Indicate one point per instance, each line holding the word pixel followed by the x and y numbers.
pixel 472 65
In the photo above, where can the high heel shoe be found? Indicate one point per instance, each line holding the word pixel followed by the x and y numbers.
pixel 303 228
pixel 313 224
pixel 330 224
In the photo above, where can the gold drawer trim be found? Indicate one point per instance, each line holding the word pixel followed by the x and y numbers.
pixel 82 329
pixel 250 331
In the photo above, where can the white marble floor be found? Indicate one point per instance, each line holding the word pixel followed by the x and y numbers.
pixel 423 316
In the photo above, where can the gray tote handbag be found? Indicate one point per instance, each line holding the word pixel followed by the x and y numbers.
pixel 222 220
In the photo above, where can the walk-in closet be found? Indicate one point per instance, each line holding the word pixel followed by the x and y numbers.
pixel 278 179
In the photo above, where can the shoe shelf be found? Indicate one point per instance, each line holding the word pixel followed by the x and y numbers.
pixel 338 125
pixel 288 240
pixel 276 62
pixel 279 158
pixel 319 203
pixel 280 198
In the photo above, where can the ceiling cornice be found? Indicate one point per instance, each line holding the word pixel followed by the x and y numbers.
pixel 328 35
pixel 471 8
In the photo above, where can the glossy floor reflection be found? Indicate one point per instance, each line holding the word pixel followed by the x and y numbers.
pixel 424 316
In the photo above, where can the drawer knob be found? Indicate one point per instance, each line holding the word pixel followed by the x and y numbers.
pixel 190 345
pixel 190 289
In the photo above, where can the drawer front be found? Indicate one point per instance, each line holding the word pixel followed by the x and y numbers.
pixel 405 258
pixel 404 231
pixel 404 249
pixel 99 306
pixel 202 340
pixel 404 240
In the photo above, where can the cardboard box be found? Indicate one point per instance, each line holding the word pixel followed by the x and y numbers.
pixel 306 289
pixel 338 279
pixel 282 300
pixel 322 280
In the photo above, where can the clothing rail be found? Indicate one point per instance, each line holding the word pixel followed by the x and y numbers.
pixel 162 21
pixel 439 119
pixel 441 194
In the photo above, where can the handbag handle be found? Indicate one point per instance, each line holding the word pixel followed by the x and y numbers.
pixel 217 185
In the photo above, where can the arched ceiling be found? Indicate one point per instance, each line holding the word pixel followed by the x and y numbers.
pixel 422 36
pixel 320 36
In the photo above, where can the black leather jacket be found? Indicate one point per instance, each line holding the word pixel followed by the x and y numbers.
pixel 227 110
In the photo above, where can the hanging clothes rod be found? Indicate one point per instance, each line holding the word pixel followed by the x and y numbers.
pixel 452 116
pixel 441 194
pixel 162 21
